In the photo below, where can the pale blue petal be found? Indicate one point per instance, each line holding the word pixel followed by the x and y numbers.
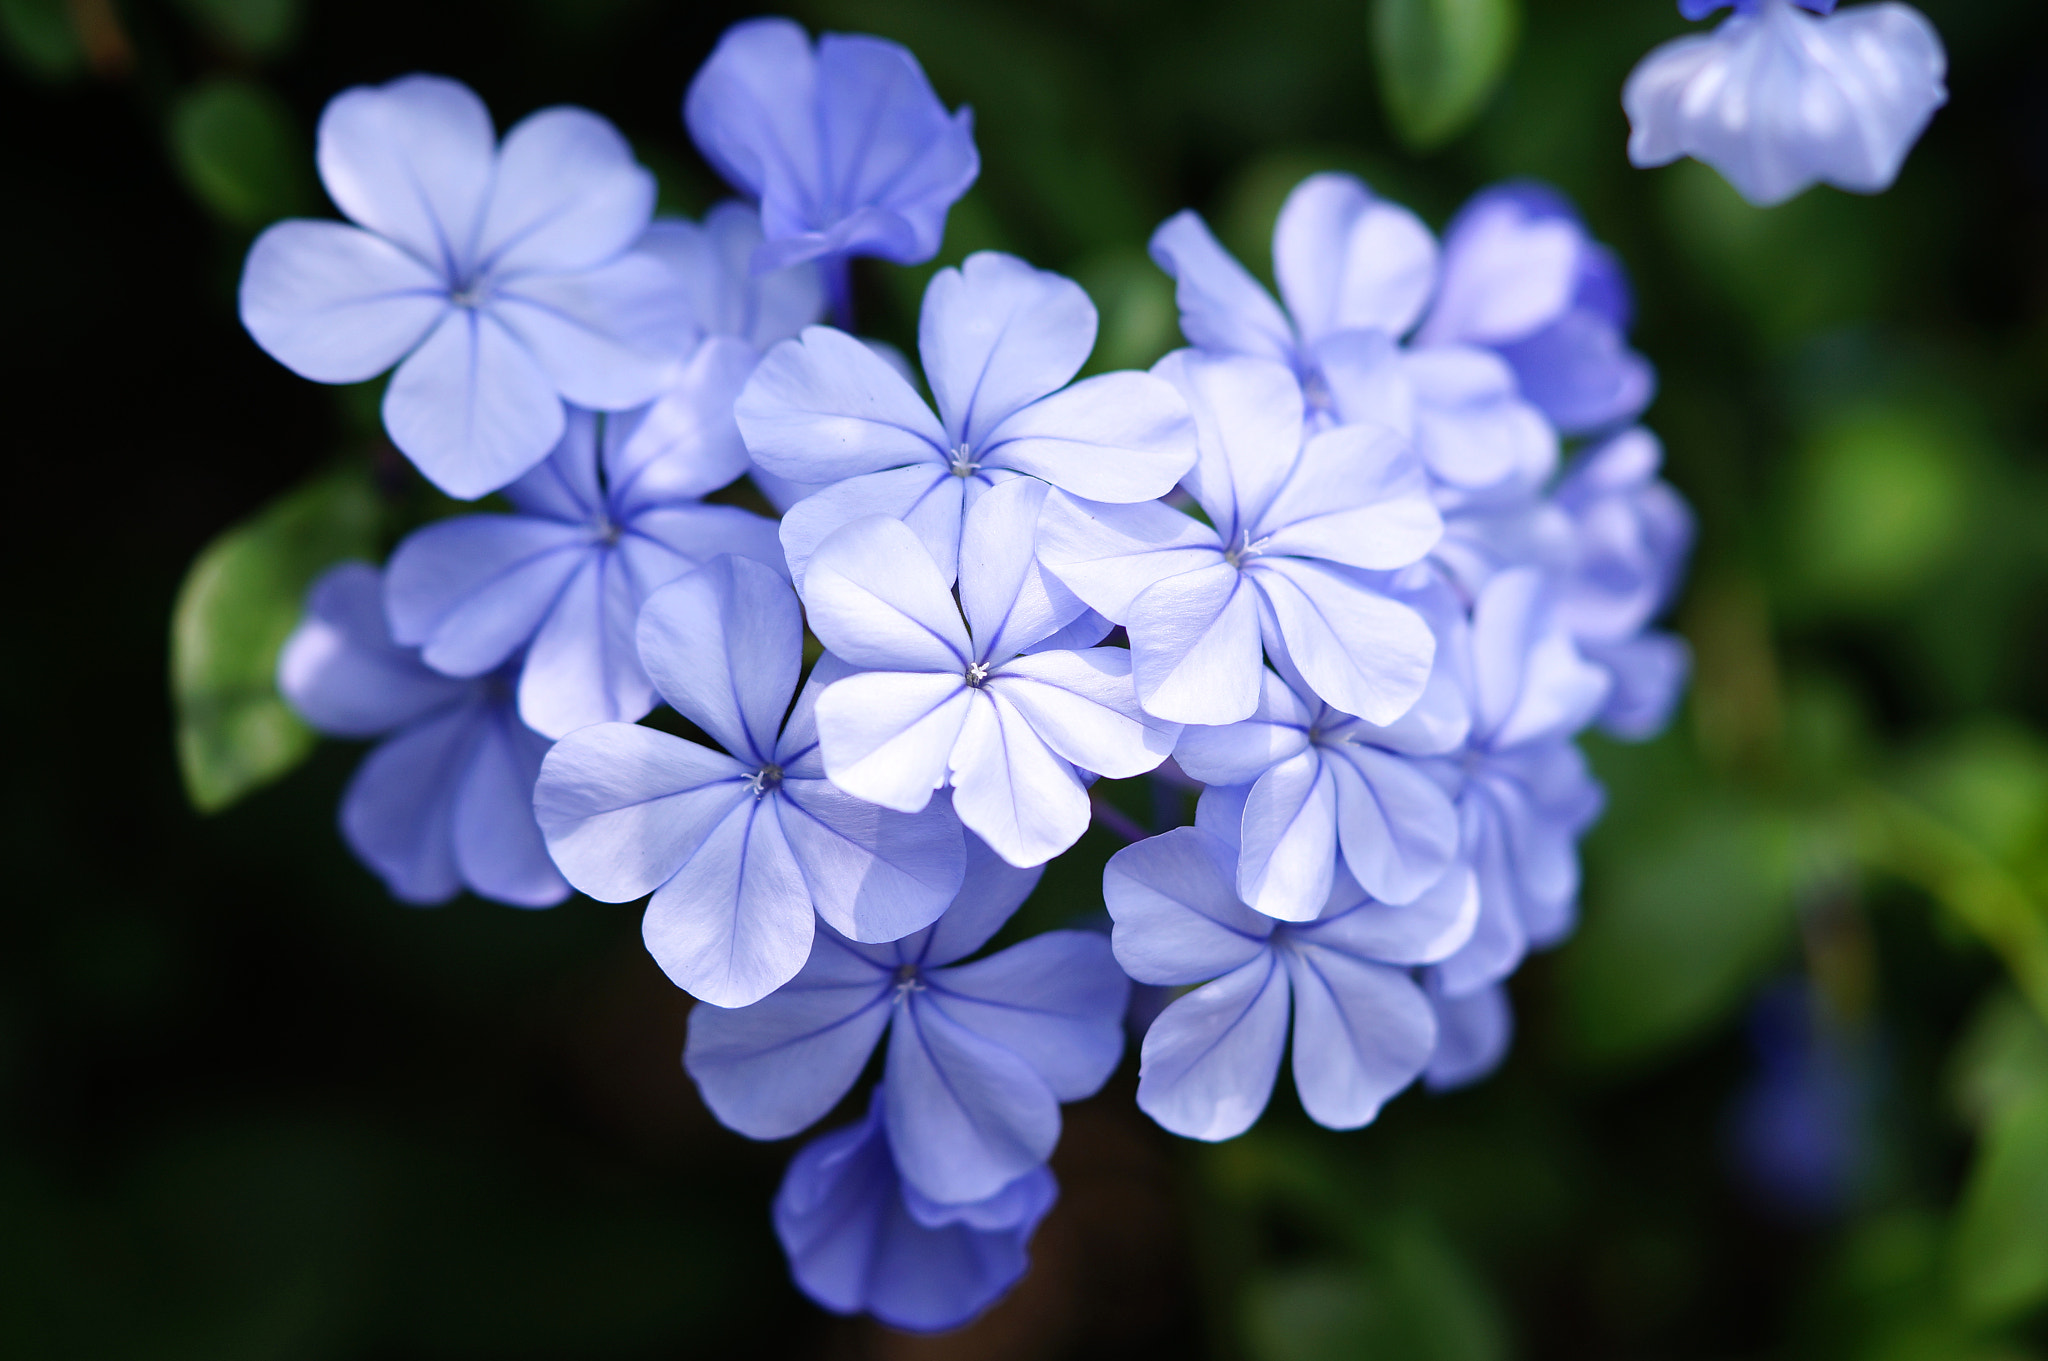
pixel 1581 373
pixel 735 922
pixel 660 543
pixel 1010 788
pixel 623 807
pixel 1108 554
pixel 924 496
pixel 1508 272
pixel 1289 857
pixel 566 486
pixel 874 874
pixel 470 591
pixel 498 844
pixel 1023 1202
pixel 1209 1060
pixel 1220 812
pixel 567 196
pixel 1362 1032
pixel 1055 1000
pixel 714 261
pixel 751 110
pixel 1248 430
pixel 1362 652
pixel 875 598
pixel 398 814
pixel 1472 1037
pixel 684 444
pixel 340 669
pixel 990 895
pixel 824 406
pixel 1178 917
pixel 1195 646
pixel 411 160
pixel 1116 437
pixel 1358 496
pixel 995 336
pixel 724 645
pixel 888 736
pixel 1008 601
pixel 609 338
pixel 1397 827
pixel 796 751
pixel 1649 673
pixel 1433 927
pixel 334 303
pixel 1498 940
pixel 471 407
pixel 1532 684
pixel 966 1116
pixel 1347 260
pixel 1082 705
pixel 1222 307
pixel 777 1067
pixel 583 666
pixel 1238 753
pixel 1471 426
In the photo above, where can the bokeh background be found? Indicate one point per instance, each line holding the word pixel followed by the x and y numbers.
pixel 1786 1094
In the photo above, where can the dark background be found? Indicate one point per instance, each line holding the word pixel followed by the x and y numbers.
pixel 251 1108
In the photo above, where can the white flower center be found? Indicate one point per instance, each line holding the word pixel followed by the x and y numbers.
pixel 765 781
pixel 963 463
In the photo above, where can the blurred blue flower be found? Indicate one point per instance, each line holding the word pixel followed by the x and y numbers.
pixel 503 276
pixel 980 1055
pixel 445 801
pixel 1473 1033
pixel 1800 1131
pixel 741 851
pixel 1777 99
pixel 611 516
pixel 1285 560
pixel 844 146
pixel 1363 1028
pixel 861 1239
pixel 1000 342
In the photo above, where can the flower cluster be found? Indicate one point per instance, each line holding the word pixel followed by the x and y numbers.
pixel 1329 565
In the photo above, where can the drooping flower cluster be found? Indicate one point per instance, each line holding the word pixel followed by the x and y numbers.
pixel 1789 93
pixel 1322 561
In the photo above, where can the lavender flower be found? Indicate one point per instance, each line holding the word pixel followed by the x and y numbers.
pixel 501 275
pixel 444 802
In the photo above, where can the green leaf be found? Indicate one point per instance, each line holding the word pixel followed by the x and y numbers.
pixel 239 152
pixel 1998 1260
pixel 261 28
pixel 40 38
pixel 1439 62
pixel 239 602
pixel 1681 920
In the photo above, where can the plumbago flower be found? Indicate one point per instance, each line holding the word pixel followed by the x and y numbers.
pixel 610 516
pixel 1000 342
pixel 445 802
pixel 1779 98
pixel 1357 273
pixel 980 1054
pixel 861 1239
pixel 503 277
pixel 743 849
pixel 1294 530
pixel 995 706
pixel 1363 1028
pixel 844 146
pixel 1524 796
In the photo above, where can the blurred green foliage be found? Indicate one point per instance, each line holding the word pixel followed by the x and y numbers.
pixel 254 1110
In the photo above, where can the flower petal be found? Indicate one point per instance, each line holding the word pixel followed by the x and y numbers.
pixel 1359 497
pixel 398 813
pixel 471 591
pixel 1083 706
pixel 684 444
pixel 874 874
pixel 824 406
pixel 1472 1037
pixel 411 160
pixel 567 195
pixel 888 736
pixel 1109 554
pixel 334 303
pixel 1349 261
pixel 995 336
pixel 735 922
pixel 340 669
pixel 623 807
pixel 1116 437
pixel 714 261
pixel 990 895
pixel 1397 826
pixel 1055 1000
pixel 1222 307
pixel 1011 788
pixel 498 844
pixel 1195 651
pixel 966 1116
pixel 875 598
pixel 1238 753
pixel 608 338
pixel 1009 601
pixel 471 407
pixel 1248 429
pixel 1433 927
pixel 1289 856
pixel 1363 653
pixel 1210 1058
pixel 583 666
pixel 1362 1032
pixel 724 645
pixel 751 110
pixel 1178 917
pixel 1507 273
pixel 924 496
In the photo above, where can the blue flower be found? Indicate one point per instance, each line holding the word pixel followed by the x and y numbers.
pixel 1009 707
pixel 846 147
pixel 1524 793
pixel 1312 782
pixel 980 1055
pixel 1363 1028
pixel 1293 532
pixel 1357 273
pixel 610 517
pixel 861 1239
pixel 1000 342
pixel 503 277
pixel 1777 100
pixel 1473 1033
pixel 741 851
pixel 1522 278
pixel 1802 1128
pixel 445 801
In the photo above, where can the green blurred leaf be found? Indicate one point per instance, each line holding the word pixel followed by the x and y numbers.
pixel 240 600
pixel 2002 1062
pixel 261 28
pixel 239 153
pixel 1440 61
pixel 1882 497
pixel 1998 1263
pixel 1139 318
pixel 39 36
pixel 1683 918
